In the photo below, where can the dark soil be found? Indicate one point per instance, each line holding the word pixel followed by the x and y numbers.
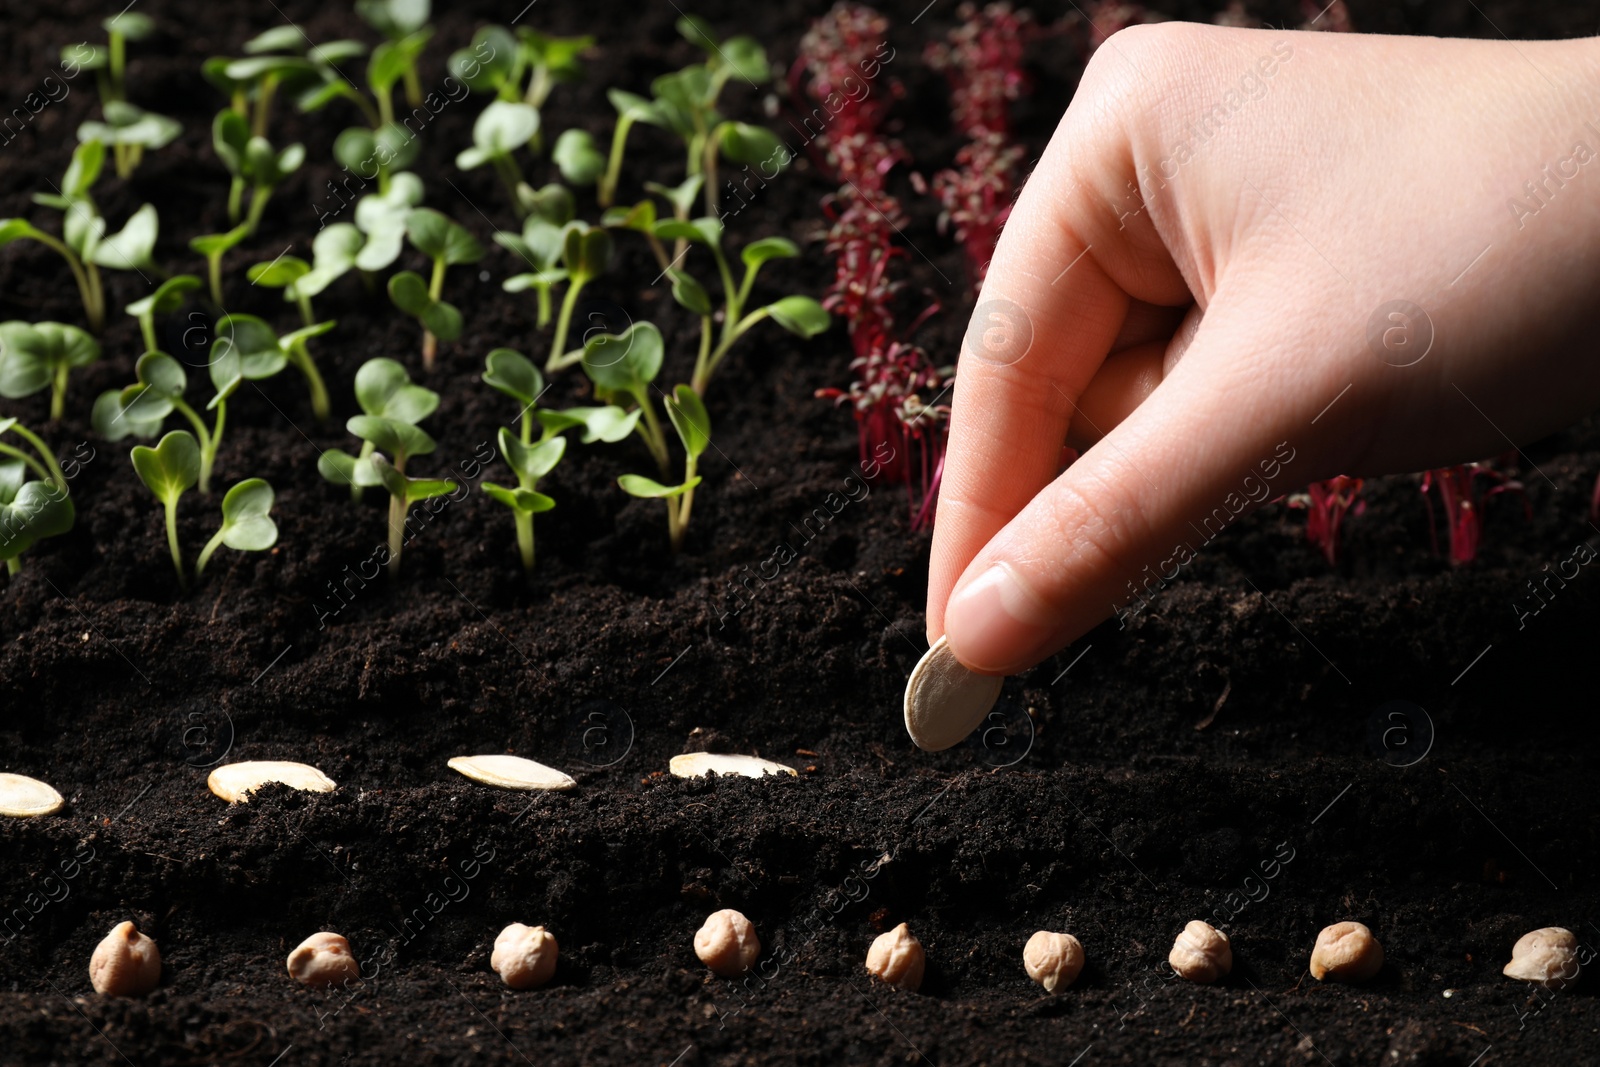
pixel 1239 722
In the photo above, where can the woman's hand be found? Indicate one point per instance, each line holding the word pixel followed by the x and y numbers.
pixel 1249 260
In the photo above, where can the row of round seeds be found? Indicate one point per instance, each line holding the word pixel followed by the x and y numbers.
pixel 525 956
pixel 127 963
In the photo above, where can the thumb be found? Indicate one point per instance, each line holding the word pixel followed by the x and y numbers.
pixel 1214 440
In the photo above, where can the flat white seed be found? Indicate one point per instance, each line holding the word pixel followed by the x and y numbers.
pixel 1346 952
pixel 125 964
pixel 24 797
pixel 1053 960
pixel 1546 957
pixel 727 943
pixel 695 764
pixel 511 772
pixel 944 701
pixel 234 782
pixel 1201 953
pixel 896 957
pixel 323 959
pixel 524 956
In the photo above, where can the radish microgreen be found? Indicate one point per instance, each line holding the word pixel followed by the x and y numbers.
pixel 253 163
pixel 501 129
pixel 140 409
pixel 128 129
pixel 397 439
pixel 447 243
pixel 171 469
pixel 40 356
pixel 214 246
pixel 384 390
pixel 262 353
pixel 30 510
pixel 168 297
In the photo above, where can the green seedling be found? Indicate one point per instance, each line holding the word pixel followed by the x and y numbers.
pixel 498 63
pixel 540 244
pixel 372 243
pixel 41 461
pixel 623 367
pixel 127 128
pixel 79 233
pixel 689 418
pixel 405 24
pixel 631 109
pixel 168 297
pixel 384 147
pixel 140 409
pixel 262 353
pixel 447 243
pixel 511 373
pixel 42 355
pixel 288 273
pixel 800 315
pixel 578 156
pixel 397 438
pixel 385 391
pixel 214 246
pixel 686 102
pixel 585 254
pixel 253 163
pixel 30 511
pixel 499 131
pixel 282 58
pixel 171 469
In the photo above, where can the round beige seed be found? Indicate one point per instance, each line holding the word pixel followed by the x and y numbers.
pixel 125 964
pixel 1546 957
pixel 323 959
pixel 696 764
pixel 1201 953
pixel 511 772
pixel 24 797
pixel 1346 952
pixel 727 943
pixel 234 782
pixel 524 956
pixel 1053 960
pixel 897 958
pixel 944 701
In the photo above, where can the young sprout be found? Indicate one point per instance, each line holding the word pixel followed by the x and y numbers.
pixel 303 70
pixel 140 409
pixel 384 390
pixel 287 273
pixel 128 129
pixel 512 373
pixel 578 157
pixel 214 246
pixel 631 108
pixel 540 244
pixel 131 247
pixel 405 23
pixel 253 164
pixel 500 130
pixel 385 146
pixel 585 255
pixel 41 356
pixel 80 228
pixel 447 243
pixel 167 298
pixel 800 315
pixel 262 353
pixel 626 365
pixel 171 468
pixel 497 63
pixel 42 462
pixel 30 511
pixel 381 218
pixel 687 103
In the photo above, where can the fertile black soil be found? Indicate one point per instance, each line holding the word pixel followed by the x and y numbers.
pixel 1231 754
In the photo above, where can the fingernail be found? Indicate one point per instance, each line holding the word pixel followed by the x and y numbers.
pixel 996 621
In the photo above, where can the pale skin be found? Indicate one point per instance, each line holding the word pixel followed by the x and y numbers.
pixel 1186 283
